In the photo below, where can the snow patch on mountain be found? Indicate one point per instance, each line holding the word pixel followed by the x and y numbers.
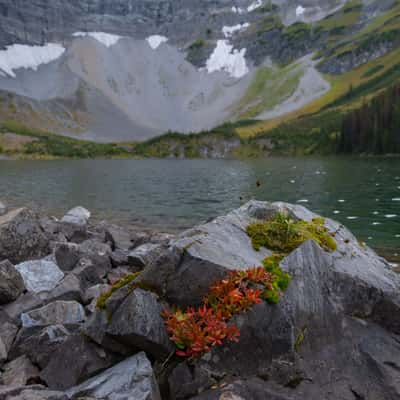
pixel 18 56
pixel 155 41
pixel 237 10
pixel 107 39
pixel 300 11
pixel 253 6
pixel 226 58
pixel 228 31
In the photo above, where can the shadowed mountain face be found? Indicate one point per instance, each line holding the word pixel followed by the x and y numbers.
pixel 117 70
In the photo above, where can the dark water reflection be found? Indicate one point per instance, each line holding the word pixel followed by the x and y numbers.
pixel 363 193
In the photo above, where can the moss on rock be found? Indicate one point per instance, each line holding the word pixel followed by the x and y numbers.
pixel 283 234
pixel 126 280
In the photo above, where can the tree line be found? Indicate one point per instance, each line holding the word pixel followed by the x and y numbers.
pixel 373 128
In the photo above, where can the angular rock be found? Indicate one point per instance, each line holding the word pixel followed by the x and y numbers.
pixel 94 262
pixel 13 391
pixel 8 331
pixel 77 216
pixel 74 361
pixel 119 258
pixel 340 313
pixel 58 312
pixel 130 379
pixel 52 228
pixel 137 323
pixel 35 393
pixel 18 372
pixel 39 343
pixel 67 255
pixel 132 319
pixel 117 274
pixel 89 273
pixel 21 236
pixel 94 292
pixel 11 283
pixel 204 255
pixel 40 275
pixel 185 382
pixel 69 289
pixel 143 255
pixel 138 238
pixel 119 238
pixel 28 301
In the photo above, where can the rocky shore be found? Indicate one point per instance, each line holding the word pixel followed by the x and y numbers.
pixel 82 311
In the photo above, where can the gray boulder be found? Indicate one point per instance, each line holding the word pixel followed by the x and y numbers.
pixel 134 320
pixel 58 312
pixel 39 343
pixel 120 238
pixel 67 255
pixel 116 274
pixel 74 361
pixel 119 258
pixel 92 295
pixel 143 255
pixel 94 292
pixel 137 323
pixel 21 236
pixel 69 289
pixel 40 275
pixel 19 372
pixel 8 331
pixel 340 313
pixel 89 273
pixel 11 283
pixel 132 379
pixel 32 393
pixel 203 255
pixel 77 216
pixel 93 263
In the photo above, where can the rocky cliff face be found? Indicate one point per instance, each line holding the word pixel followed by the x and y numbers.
pixel 48 20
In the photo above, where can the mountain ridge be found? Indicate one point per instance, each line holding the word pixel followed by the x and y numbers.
pixel 251 59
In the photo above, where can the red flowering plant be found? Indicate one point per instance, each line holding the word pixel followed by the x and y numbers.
pixel 196 332
pixel 239 292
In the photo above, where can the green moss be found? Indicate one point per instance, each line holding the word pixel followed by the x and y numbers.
pixel 281 278
pixel 102 300
pixel 272 296
pixel 300 339
pixel 283 234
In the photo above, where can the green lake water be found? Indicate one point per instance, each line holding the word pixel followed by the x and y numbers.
pixel 362 193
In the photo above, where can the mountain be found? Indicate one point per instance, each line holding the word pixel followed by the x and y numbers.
pixel 130 70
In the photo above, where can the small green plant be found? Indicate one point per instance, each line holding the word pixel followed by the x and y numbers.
pixel 126 280
pixel 283 234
